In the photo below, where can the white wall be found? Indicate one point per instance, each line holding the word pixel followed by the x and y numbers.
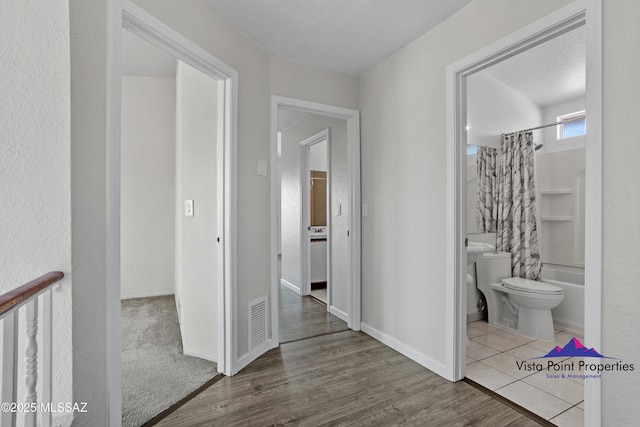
pixel 304 128
pixel 402 103
pixel 197 21
pixel 148 186
pixel 291 207
pixel 35 203
pixel 621 208
pixel 295 80
pixel 195 177
pixel 88 30
pixel 493 108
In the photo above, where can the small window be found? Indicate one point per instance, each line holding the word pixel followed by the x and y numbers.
pixel 574 124
pixel 472 149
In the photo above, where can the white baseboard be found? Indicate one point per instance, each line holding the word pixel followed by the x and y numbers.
pixel 339 314
pixel 405 350
pixel 200 356
pixel 145 295
pixel 247 358
pixel 291 286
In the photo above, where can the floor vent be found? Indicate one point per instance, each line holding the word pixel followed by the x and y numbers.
pixel 257 322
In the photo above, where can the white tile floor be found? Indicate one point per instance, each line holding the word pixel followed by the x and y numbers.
pixel 492 356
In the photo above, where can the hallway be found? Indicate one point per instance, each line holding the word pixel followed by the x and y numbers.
pixel 341 377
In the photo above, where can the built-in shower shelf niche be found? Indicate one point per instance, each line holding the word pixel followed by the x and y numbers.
pixel 557 204
pixel 557 221
pixel 556 218
pixel 559 191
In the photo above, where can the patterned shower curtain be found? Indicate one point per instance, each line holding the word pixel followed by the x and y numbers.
pixel 516 230
pixel 487 205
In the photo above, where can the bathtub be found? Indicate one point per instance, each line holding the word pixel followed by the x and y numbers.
pixel 570 312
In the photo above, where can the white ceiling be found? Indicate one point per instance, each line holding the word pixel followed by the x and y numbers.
pixel 550 73
pixel 344 35
pixel 141 58
pixel 353 35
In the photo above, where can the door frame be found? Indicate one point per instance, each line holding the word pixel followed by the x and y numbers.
pixel 128 16
pixel 353 153
pixel 581 12
pixel 305 210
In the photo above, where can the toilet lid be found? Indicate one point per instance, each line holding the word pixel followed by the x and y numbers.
pixel 526 285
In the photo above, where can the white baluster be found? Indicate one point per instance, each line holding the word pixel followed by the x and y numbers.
pixel 31 361
pixel 9 367
pixel 47 353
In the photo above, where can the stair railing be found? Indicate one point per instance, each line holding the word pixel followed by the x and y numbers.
pixel 10 303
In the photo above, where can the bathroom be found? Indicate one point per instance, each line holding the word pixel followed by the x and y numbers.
pixel 541 86
pixel 318 216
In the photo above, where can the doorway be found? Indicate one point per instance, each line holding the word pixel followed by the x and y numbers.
pixel 556 159
pixel 292 232
pixel 316 214
pixel 560 22
pixel 168 282
pixel 168 214
pixel 138 22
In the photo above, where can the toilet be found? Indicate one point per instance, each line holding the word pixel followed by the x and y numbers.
pixel 512 302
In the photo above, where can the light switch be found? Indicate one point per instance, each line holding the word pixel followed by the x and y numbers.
pixel 262 168
pixel 365 209
pixel 188 208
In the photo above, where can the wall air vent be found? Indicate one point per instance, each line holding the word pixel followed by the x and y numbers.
pixel 257 322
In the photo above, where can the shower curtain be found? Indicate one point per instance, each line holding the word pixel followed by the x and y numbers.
pixel 516 229
pixel 487 205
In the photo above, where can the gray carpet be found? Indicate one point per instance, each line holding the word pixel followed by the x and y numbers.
pixel 155 373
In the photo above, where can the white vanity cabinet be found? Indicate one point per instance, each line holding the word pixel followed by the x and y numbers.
pixel 318 259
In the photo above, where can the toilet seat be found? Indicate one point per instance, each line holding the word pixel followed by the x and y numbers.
pixel 531 286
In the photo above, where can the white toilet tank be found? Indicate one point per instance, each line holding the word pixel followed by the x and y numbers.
pixel 491 268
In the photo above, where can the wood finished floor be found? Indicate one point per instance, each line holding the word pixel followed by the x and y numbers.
pixel 344 378
pixel 305 317
pixel 339 379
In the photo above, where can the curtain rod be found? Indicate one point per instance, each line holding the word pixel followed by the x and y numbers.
pixel 538 127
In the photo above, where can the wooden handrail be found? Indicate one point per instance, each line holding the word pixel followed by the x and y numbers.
pixel 19 295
